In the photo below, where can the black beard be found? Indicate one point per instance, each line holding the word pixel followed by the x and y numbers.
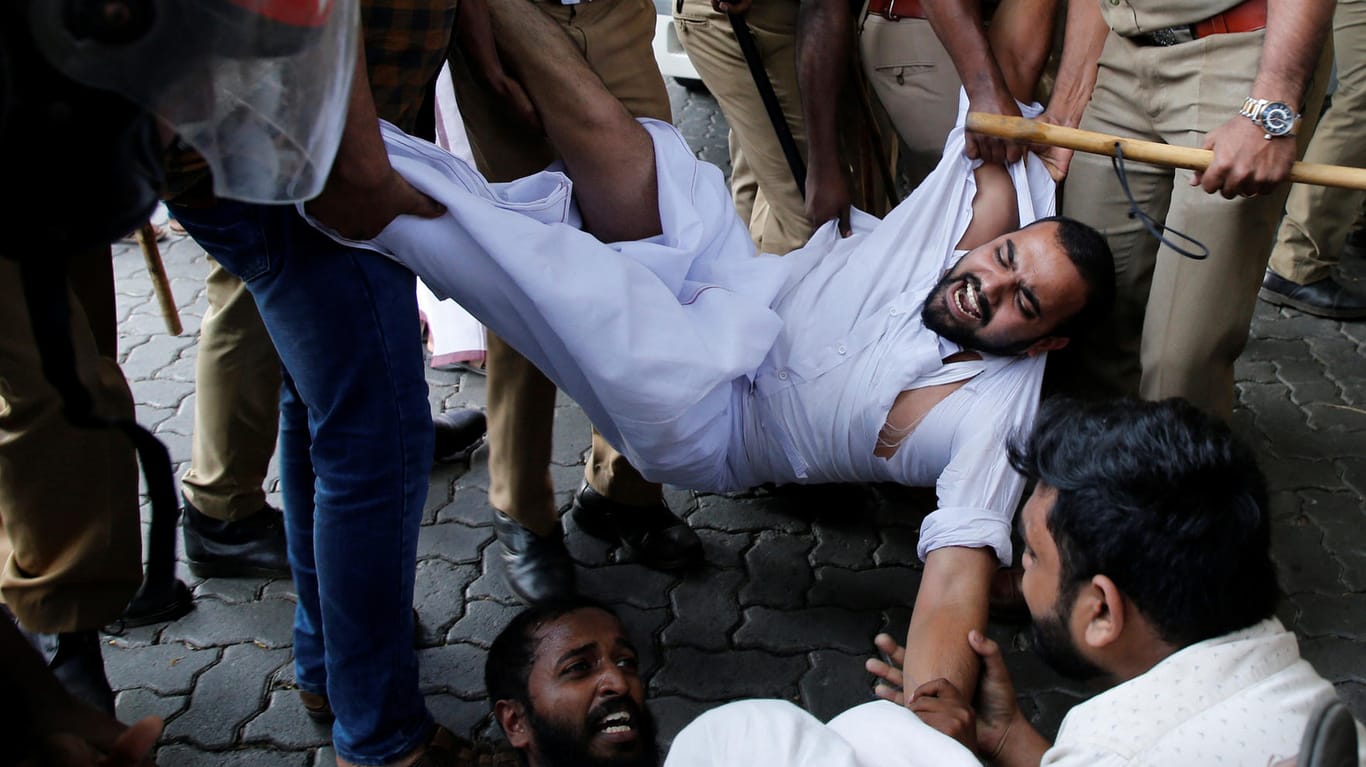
pixel 935 315
pixel 1054 645
pixel 559 745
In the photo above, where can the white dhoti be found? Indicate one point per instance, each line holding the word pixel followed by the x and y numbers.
pixel 760 733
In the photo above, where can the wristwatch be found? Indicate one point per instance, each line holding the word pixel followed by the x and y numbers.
pixel 1276 118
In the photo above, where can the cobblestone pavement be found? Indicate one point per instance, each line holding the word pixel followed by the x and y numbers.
pixel 795 583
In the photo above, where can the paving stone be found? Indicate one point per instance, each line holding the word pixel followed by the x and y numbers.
pixel 452 542
pixel 737 516
pixel 589 551
pixel 468 506
pixel 865 589
pixel 721 550
pixel 1297 549
pixel 1261 371
pixel 1337 659
pixel 1354 695
pixel 439 597
pixel 132 705
pixel 673 713
pixel 145 359
pixel 1337 614
pixel 324 757
pixel 836 682
pixel 269 623
pixel 843 547
pixel 1340 516
pixel 230 590
pixel 482 621
pixel 226 696
pixel 571 430
pixel 898 547
pixel 454 668
pixel 779 573
pixel 460 716
pixel 705 611
pixel 166 669
pixel 285 724
pixel 726 676
pixel 280 588
pixel 1292 474
pixel 793 631
pixel 188 756
pixel 632 584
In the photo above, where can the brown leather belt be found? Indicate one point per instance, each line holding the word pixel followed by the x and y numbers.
pixel 896 10
pixel 1247 16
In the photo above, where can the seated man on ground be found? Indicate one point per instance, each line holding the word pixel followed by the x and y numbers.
pixel 1147 563
pixel 564 686
pixel 887 356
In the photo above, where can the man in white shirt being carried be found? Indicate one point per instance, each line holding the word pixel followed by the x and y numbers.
pixel 907 352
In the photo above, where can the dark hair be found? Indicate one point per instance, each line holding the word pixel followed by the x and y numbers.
pixel 508 665
pixel 1087 249
pixel 1163 500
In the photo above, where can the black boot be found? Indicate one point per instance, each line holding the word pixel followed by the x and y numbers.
pixel 75 659
pixel 539 569
pixel 458 434
pixel 248 548
pixel 655 536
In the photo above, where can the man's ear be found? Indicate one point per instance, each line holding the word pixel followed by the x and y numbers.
pixel 511 716
pixel 1105 612
pixel 1046 344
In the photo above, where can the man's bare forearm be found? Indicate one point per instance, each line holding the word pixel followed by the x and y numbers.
pixel 823 46
pixel 1083 40
pixel 952 601
pixel 1295 35
pixel 958 25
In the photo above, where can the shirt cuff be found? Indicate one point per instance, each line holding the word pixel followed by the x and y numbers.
pixel 966 526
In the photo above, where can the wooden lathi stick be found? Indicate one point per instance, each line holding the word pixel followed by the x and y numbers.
pixel 1151 152
pixel 161 284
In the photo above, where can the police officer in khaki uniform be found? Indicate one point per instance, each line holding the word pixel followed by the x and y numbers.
pixel 615 502
pixel 1318 219
pixel 1233 76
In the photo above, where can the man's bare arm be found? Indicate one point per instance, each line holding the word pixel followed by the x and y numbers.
pixel 364 192
pixel 823 48
pixel 1083 41
pixel 951 602
pixel 958 25
pixel 1245 162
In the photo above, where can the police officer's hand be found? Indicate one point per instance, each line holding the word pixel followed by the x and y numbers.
pixel 1055 158
pixel 989 148
pixel 827 195
pixel 1245 163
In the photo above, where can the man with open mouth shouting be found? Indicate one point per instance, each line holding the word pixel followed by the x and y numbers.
pixel 565 687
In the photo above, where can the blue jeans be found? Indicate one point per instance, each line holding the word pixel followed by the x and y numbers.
pixel 355 453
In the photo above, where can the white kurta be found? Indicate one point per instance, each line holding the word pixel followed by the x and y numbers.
pixel 1239 699
pixel 760 733
pixel 713 369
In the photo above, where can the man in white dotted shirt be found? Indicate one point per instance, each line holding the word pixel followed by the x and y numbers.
pixel 1147 563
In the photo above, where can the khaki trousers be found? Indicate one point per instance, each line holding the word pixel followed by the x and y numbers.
pixel 1318 218
pixel 914 78
pixel 761 182
pixel 1178 323
pixel 614 36
pixel 237 404
pixel 70 539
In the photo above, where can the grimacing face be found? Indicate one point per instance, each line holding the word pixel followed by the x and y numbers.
pixel 587 699
pixel 1008 295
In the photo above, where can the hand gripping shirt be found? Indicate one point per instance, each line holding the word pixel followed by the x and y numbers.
pixel 713 369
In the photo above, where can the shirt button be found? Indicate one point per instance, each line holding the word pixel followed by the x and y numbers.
pixel 841 349
pixel 894 312
pixel 782 375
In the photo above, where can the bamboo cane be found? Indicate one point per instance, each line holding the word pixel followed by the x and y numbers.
pixel 161 284
pixel 1032 131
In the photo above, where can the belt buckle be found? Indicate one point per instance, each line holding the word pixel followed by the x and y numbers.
pixel 1173 35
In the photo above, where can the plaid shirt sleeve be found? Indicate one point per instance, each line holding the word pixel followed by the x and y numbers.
pixel 405 45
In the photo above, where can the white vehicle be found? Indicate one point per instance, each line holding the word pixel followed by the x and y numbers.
pixel 669 54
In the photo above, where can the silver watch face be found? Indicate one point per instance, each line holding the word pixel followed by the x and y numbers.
pixel 1277 118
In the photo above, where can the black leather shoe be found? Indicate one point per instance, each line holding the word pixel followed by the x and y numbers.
pixel 248 548
pixel 539 569
pixel 1325 298
pixel 652 534
pixel 458 434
